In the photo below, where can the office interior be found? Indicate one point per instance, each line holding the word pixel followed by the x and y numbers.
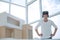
pixel 18 18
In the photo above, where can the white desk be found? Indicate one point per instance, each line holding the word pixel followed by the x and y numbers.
pixel 26 39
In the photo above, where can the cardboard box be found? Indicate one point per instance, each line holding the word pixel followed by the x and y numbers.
pixel 27 32
pixel 10 33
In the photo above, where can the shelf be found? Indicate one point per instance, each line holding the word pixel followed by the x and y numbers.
pixel 10 21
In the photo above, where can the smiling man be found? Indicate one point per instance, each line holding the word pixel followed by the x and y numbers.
pixel 46 24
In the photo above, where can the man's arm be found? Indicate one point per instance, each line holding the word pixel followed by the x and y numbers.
pixel 54 32
pixel 36 29
pixel 38 32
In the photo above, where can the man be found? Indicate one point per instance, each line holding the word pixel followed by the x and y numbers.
pixel 46 24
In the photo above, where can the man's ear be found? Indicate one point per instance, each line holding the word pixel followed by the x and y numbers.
pixel 42 16
pixel 48 15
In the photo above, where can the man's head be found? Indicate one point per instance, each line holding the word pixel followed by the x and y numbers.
pixel 45 14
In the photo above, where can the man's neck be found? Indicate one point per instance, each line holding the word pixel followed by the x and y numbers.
pixel 45 20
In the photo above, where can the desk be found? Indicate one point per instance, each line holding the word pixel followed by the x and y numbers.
pixel 26 39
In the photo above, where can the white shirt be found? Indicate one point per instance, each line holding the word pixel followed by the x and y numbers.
pixel 46 28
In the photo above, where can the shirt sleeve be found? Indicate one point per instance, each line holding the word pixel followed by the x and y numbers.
pixel 38 25
pixel 53 24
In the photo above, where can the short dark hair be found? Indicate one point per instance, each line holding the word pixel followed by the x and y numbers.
pixel 45 13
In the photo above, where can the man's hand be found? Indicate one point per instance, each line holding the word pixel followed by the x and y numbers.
pixel 40 34
pixel 52 35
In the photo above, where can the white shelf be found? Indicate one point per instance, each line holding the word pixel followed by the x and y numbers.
pixel 10 21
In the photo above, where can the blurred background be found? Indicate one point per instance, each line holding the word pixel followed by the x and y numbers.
pixel 31 10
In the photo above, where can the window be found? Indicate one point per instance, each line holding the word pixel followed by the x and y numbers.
pixel 33 12
pixel 5 0
pixel 18 11
pixel 19 2
pixel 50 6
pixel 4 7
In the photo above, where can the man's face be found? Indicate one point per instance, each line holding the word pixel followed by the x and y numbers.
pixel 45 16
